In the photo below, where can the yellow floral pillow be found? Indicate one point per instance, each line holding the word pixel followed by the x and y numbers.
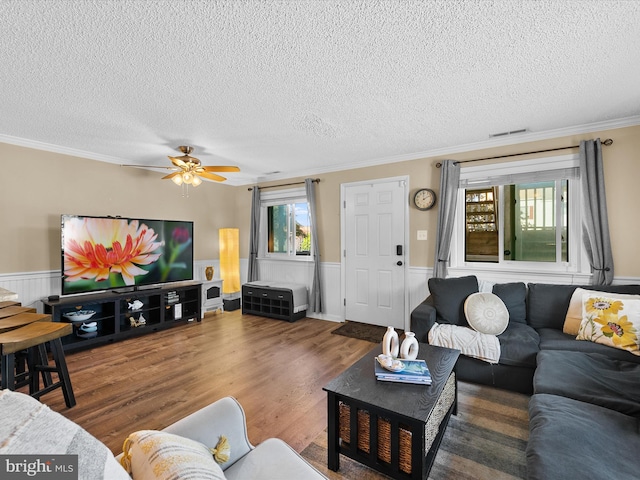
pixel 611 321
pixel 574 312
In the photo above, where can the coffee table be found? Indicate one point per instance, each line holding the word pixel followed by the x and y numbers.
pixel 395 428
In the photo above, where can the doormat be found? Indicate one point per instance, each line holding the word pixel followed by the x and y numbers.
pixel 363 331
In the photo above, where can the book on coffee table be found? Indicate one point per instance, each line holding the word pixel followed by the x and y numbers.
pixel 415 371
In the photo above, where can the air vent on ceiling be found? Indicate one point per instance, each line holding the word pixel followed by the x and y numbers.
pixel 504 134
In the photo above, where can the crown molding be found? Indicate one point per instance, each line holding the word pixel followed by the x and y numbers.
pixel 468 147
pixel 50 147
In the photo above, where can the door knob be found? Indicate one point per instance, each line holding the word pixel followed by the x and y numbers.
pixel 399 263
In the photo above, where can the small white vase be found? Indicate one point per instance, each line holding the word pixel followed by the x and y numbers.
pixel 409 347
pixel 390 343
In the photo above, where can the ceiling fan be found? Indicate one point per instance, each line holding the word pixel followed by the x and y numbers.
pixel 189 170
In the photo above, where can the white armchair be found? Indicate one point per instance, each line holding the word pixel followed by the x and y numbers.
pixel 271 459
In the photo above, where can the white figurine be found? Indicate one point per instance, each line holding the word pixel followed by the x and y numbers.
pixel 136 305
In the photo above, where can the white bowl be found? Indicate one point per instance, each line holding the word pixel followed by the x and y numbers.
pixel 80 315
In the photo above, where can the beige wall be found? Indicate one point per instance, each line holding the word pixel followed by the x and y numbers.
pixel 622 168
pixel 36 187
pixel 55 184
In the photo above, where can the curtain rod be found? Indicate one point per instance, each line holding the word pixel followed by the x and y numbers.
pixel 315 180
pixel 607 142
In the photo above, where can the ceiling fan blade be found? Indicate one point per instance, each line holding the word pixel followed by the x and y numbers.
pixel 149 166
pixel 221 168
pixel 211 176
pixel 178 162
pixel 171 175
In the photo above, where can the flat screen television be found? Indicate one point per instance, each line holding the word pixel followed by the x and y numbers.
pixel 104 253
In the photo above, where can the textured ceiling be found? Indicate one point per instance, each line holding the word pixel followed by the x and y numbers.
pixel 300 87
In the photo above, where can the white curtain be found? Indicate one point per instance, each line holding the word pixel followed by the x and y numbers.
pixel 449 183
pixel 595 223
pixel 315 295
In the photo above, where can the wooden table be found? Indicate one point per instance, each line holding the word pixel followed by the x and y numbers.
pixel 394 428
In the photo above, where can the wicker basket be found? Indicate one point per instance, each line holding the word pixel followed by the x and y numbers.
pixel 384 436
pixel 384 429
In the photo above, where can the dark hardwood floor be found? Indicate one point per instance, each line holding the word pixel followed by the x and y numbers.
pixel 275 369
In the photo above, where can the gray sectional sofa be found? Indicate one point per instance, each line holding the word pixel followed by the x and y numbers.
pixel 585 406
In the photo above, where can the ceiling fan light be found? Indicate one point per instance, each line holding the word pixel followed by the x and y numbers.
pixel 177 179
pixel 187 177
pixel 196 181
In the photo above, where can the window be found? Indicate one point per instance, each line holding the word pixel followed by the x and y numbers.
pixel 520 216
pixel 533 227
pixel 289 229
pixel 285 225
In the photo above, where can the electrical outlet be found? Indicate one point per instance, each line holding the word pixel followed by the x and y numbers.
pixel 422 234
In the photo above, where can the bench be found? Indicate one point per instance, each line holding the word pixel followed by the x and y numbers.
pixel 284 301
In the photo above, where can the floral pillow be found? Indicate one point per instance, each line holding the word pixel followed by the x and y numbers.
pixel 574 312
pixel 611 321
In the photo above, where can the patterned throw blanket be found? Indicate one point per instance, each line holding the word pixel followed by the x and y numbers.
pixel 468 341
pixel 29 427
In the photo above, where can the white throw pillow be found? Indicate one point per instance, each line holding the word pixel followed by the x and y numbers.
pixel 486 313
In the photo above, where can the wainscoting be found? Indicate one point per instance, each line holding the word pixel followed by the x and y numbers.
pixel 31 287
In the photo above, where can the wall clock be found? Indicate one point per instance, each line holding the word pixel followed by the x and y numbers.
pixel 424 199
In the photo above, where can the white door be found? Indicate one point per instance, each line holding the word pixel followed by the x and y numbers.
pixel 374 251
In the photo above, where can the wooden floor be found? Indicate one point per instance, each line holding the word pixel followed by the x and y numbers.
pixel 275 369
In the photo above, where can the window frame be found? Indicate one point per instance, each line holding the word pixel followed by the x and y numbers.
pixel 281 197
pixel 576 264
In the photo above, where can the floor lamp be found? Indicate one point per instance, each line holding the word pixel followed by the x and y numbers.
pixel 229 239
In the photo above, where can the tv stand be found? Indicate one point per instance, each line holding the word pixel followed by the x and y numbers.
pixel 124 314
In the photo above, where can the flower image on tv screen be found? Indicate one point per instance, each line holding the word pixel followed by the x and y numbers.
pixel 102 253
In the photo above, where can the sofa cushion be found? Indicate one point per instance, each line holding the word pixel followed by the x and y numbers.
pixel 151 454
pixel 590 377
pixel 514 296
pixel 273 459
pixel 552 339
pixel 486 313
pixel 519 345
pixel 29 427
pixel 547 304
pixel 611 322
pixel 573 439
pixel 449 295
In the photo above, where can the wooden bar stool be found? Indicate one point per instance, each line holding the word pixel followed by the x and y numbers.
pixel 22 319
pixel 21 365
pixel 9 303
pixel 15 310
pixel 31 337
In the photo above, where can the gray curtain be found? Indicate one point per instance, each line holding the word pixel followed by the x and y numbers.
pixel 254 235
pixel 595 223
pixel 315 295
pixel 449 184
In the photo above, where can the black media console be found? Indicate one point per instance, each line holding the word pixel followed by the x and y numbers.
pixel 125 314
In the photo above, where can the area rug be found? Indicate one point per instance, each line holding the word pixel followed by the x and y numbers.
pixel 486 440
pixel 363 331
